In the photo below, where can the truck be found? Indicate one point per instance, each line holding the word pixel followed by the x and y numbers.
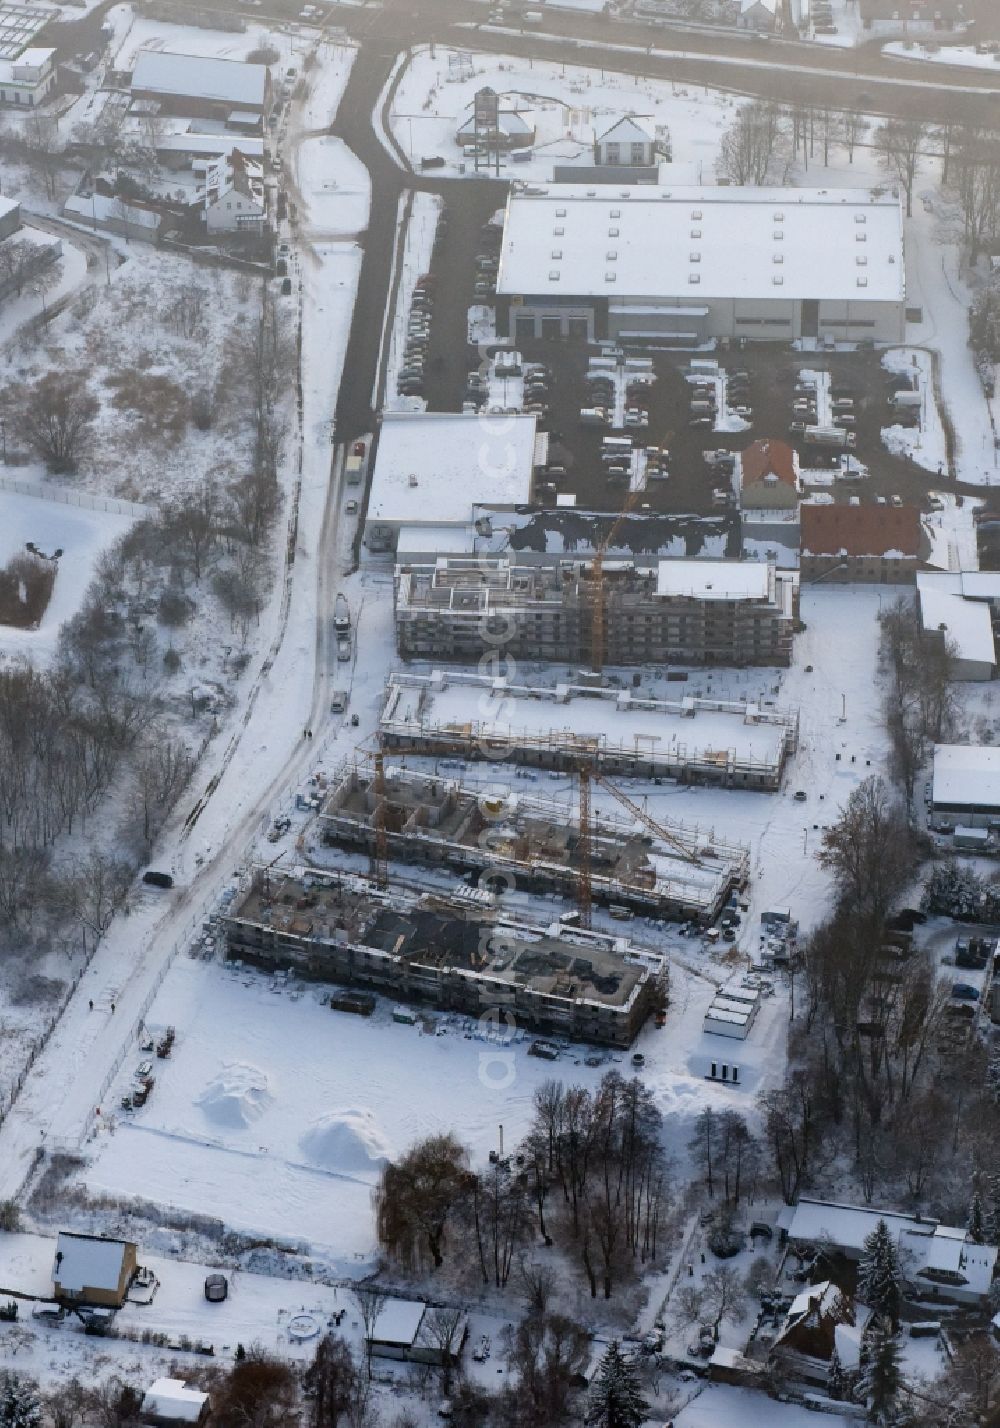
pixel 903 400
pixel 341 615
pixel 354 468
pixel 835 436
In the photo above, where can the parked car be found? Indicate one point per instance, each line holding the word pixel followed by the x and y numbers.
pixel 154 879
pixel 216 1288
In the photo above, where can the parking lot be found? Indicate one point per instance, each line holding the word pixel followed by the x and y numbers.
pixel 767 393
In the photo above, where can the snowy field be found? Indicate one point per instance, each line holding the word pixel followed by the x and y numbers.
pixel 243 1126
pixel 81 533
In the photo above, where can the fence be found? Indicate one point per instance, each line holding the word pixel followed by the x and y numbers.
pixel 83 499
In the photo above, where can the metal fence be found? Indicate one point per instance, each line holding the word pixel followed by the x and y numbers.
pixel 83 499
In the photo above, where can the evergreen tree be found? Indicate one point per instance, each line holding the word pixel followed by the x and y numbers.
pixel 977 1219
pixel 881 1380
pixel 615 1399
pixel 879 1277
pixel 836 1381
pixel 993 1211
pixel 19 1405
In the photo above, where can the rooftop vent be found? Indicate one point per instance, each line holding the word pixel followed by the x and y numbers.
pixel 558 232
pixel 610 277
pixel 862 282
pixel 613 232
pixel 778 258
pixel 560 213
pixel 553 275
pixel 611 255
pixel 777 280
pixel 695 232
pixel 694 277
pixel 556 253
pixel 695 257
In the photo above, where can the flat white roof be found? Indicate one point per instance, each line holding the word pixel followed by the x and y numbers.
pixel 967 623
pixel 742 243
pixel 199 77
pixel 213 145
pixel 714 579
pixel 171 1398
pixel 432 468
pixel 967 774
pixel 439 540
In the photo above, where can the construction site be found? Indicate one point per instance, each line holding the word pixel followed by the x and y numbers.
pixel 688 612
pixel 456 715
pixel 537 844
pixel 456 953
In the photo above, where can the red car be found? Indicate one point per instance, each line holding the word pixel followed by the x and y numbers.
pixel 358 449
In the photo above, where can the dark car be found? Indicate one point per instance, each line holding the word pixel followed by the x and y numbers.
pixel 963 992
pixel 154 879
pixel 216 1288
pixel 286 287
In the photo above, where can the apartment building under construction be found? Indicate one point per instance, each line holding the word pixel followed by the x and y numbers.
pixel 687 612
pixel 451 714
pixel 458 954
pixel 534 843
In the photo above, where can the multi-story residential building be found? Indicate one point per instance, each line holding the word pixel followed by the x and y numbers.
pixel 675 612
pixel 459 955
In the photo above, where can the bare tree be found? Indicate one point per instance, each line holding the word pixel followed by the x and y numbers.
pixel 899 144
pixel 371 1302
pixel 444 1328
pixel 753 144
pixel 54 416
pixel 869 850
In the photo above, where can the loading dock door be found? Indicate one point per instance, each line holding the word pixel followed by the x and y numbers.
pixel 579 329
pixel 524 329
pixel 552 328
pixel 810 317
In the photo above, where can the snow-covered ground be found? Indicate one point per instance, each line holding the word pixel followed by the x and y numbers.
pixel 965 55
pixel 952 532
pixel 416 258
pixel 52 524
pixel 924 444
pixel 568 105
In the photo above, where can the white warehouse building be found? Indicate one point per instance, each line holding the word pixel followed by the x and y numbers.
pixel 692 264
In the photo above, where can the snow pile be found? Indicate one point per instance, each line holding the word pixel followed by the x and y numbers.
pixel 349 1142
pixel 239 1095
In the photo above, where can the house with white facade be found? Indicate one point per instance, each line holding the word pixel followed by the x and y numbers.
pixel 28 80
pixel 233 196
pixel 629 143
